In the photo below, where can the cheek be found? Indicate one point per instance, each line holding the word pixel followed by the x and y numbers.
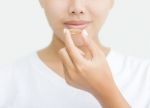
pixel 55 12
pixel 54 9
pixel 99 10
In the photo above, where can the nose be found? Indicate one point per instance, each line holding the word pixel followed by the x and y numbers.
pixel 76 7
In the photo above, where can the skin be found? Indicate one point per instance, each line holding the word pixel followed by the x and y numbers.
pixel 82 66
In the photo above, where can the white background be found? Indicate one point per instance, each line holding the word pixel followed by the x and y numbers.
pixel 24 28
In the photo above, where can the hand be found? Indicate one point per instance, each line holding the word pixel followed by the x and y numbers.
pixel 85 72
pixel 91 74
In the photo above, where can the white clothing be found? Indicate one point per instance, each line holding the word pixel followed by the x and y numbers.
pixel 29 83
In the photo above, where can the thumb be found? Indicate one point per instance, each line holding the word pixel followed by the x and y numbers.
pixel 89 46
pixel 85 37
pixel 84 47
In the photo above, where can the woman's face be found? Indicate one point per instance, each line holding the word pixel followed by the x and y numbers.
pixel 83 14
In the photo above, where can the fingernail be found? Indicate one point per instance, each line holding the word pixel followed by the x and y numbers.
pixel 65 30
pixel 85 35
pixel 85 32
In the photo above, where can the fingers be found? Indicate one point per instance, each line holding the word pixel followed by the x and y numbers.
pixel 65 57
pixel 81 52
pixel 91 45
pixel 67 63
pixel 91 49
pixel 72 49
pixel 68 66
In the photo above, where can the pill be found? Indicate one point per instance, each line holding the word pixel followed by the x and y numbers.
pixel 75 31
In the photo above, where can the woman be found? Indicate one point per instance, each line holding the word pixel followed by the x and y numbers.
pixel 75 70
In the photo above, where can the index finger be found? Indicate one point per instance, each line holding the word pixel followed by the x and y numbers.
pixel 73 51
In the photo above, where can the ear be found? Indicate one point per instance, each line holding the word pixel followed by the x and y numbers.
pixel 41 3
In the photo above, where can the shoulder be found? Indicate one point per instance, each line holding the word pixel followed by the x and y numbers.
pixel 127 62
pixel 137 69
pixel 136 64
pixel 5 72
pixel 126 66
pixel 133 78
pixel 10 74
pixel 6 83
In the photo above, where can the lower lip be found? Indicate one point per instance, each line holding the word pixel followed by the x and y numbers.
pixel 81 26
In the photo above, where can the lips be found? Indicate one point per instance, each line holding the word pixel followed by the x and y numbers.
pixel 76 24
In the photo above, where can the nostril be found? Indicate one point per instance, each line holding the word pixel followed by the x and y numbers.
pixel 81 12
pixel 76 12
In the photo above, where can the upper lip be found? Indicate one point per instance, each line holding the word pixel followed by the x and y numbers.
pixel 75 22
